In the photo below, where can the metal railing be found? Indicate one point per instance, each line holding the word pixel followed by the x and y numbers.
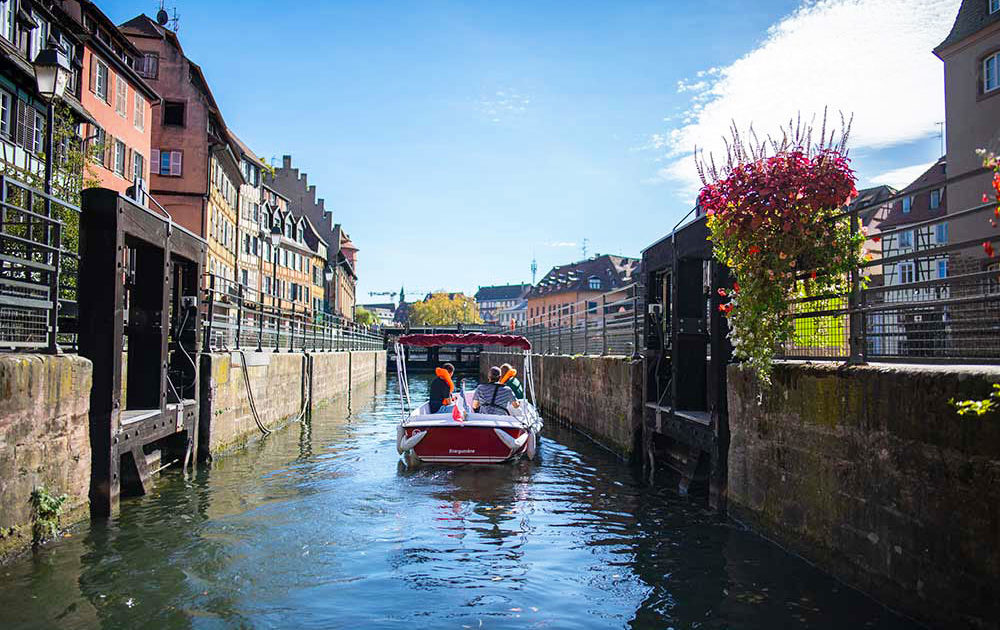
pixel 605 324
pixel 922 296
pixel 238 318
pixel 39 262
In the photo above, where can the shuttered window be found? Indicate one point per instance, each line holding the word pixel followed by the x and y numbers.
pixel 139 114
pixel 121 96
pixel 6 112
pixel 168 163
pixel 138 167
pixel 99 78
pixel 119 158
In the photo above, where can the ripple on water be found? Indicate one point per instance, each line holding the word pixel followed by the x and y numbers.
pixel 320 526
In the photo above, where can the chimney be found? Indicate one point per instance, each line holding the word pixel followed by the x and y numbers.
pixel 286 161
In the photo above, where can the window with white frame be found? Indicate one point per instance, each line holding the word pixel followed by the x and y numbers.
pixel 37 143
pixel 935 199
pixel 991 80
pixel 942 268
pixel 907 273
pixel 941 233
pixel 119 158
pixel 149 65
pixel 994 6
pixel 139 113
pixel 7 10
pixel 906 239
pixel 99 78
pixel 6 113
pixel 594 283
pixel 38 36
pixel 907 204
pixel 138 166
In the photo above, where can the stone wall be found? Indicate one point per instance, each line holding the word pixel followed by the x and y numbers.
pixel 870 473
pixel 599 396
pixel 281 385
pixel 44 438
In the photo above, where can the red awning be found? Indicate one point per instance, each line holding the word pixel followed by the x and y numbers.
pixel 465 339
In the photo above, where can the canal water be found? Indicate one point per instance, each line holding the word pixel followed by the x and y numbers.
pixel 320 526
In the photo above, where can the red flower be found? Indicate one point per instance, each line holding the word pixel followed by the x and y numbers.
pixel 736 287
pixel 722 292
pixel 988 248
pixel 722 308
pixel 753 250
pixel 985 198
pixel 876 238
pixel 813 275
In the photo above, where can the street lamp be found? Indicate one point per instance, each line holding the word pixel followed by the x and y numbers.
pixel 52 72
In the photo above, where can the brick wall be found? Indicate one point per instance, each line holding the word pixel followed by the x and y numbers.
pixel 44 437
pixel 871 474
pixel 595 395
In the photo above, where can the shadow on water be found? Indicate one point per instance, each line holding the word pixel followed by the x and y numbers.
pixel 320 526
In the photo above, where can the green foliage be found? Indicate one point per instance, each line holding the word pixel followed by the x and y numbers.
pixel 978 407
pixel 443 309
pixel 364 317
pixel 45 511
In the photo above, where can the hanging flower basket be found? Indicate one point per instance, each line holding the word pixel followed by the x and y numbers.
pixel 775 212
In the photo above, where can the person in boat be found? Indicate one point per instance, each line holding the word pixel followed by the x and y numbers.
pixel 509 379
pixel 493 397
pixel 442 388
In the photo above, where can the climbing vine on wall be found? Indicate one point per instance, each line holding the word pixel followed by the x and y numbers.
pixel 775 213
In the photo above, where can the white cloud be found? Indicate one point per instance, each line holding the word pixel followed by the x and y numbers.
pixel 901 177
pixel 561 244
pixel 501 104
pixel 871 58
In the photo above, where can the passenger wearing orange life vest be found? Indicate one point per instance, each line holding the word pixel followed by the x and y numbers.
pixel 509 379
pixel 442 388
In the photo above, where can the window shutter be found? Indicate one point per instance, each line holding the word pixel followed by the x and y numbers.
pixel 129 166
pixel 22 134
pixel 109 143
pixel 154 162
pixel 176 160
pixel 93 74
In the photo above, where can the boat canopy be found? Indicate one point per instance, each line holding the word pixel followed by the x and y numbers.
pixel 465 339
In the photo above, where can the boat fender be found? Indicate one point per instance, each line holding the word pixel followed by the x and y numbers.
pixel 511 373
pixel 404 443
pixel 532 446
pixel 514 444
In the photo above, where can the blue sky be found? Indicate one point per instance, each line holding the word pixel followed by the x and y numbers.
pixel 457 140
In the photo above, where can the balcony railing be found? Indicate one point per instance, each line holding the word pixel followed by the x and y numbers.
pixel 236 318
pixel 39 239
pixel 605 324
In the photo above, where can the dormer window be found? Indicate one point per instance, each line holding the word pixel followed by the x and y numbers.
pixel 991 79
pixel 907 204
pixel 936 193
pixel 301 234
pixel 594 283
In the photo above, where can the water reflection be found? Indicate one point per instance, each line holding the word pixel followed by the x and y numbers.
pixel 319 525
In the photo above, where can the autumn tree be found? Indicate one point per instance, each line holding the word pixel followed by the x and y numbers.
pixel 445 309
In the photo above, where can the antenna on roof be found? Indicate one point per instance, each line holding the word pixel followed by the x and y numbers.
pixel 164 19
pixel 585 242
pixel 940 126
pixel 534 268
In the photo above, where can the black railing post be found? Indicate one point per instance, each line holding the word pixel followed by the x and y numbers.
pixel 559 317
pixel 260 322
pixel 586 327
pixel 604 324
pixel 572 330
pixel 277 328
pixel 54 284
pixel 635 323
pixel 211 312
pixel 548 333
pixel 854 306
pixel 239 313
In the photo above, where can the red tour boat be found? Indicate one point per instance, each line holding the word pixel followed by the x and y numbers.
pixel 462 435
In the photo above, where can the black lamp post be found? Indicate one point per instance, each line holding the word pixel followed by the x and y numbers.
pixel 52 72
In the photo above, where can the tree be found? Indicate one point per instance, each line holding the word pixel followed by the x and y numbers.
pixel 445 309
pixel 364 317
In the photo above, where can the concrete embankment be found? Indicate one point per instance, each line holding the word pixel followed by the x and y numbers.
pixel 871 474
pixel 282 384
pixel 599 396
pixel 44 438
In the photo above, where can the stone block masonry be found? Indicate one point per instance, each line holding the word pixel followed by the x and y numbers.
pixel 871 474
pixel 283 385
pixel 599 396
pixel 44 438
